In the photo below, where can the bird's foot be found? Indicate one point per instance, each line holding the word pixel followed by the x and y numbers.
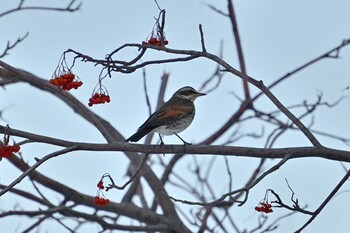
pixel 187 143
pixel 161 143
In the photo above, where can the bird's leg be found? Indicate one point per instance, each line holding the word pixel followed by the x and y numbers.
pixel 185 143
pixel 161 140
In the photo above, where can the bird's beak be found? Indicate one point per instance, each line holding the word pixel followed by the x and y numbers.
pixel 200 94
pixel 196 95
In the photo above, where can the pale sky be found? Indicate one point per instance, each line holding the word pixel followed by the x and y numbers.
pixel 277 37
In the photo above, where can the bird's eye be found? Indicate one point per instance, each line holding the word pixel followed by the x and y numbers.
pixel 188 92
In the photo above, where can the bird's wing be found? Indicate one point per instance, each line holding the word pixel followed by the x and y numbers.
pixel 174 112
pixel 165 115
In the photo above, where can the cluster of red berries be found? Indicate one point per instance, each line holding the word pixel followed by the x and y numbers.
pixel 264 207
pixel 6 151
pixel 155 41
pixel 67 81
pixel 100 185
pixel 100 199
pixel 99 98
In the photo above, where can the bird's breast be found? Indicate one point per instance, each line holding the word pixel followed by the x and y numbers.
pixel 176 126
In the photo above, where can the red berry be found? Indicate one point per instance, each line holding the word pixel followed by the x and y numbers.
pixel 100 185
pixel 55 82
pixel 15 148
pixel 153 40
pixel 6 151
pixel 70 76
pixel 97 200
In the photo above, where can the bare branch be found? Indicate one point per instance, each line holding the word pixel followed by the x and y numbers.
pixel 132 178
pixel 26 195
pixel 202 38
pixel 10 45
pixel 215 9
pixel 234 24
pixel 35 166
pixel 295 207
pixel 325 202
pixel 216 74
pixel 220 201
pixel 273 153
pixel 327 54
pixel 146 91
pixel 20 7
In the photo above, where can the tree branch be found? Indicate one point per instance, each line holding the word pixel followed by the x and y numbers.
pixel 325 202
pixel 35 166
pixel 20 7
pixel 10 46
pixel 272 153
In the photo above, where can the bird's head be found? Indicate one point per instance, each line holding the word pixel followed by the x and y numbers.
pixel 188 93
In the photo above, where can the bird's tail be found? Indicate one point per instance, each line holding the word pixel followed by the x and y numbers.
pixel 138 135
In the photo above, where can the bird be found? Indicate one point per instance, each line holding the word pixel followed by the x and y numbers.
pixel 172 117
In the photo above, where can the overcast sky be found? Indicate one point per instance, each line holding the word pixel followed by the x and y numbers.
pixel 277 37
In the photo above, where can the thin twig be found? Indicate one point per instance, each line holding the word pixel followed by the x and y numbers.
pixel 325 202
pixel 113 185
pixel 202 38
pixel 215 9
pixel 146 91
pixel 216 74
pixel 10 46
pixel 229 174
pixel 234 24
pixel 20 7
pixel 327 54
pixel 35 166
pixel 220 201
